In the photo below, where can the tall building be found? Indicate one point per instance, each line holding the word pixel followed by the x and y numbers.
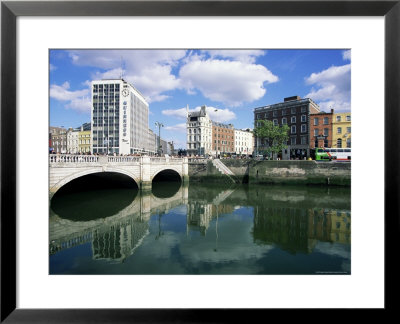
pixel 120 118
pixel 223 139
pixel 198 127
pixel 244 141
pixel 341 128
pixel 295 112
pixel 321 129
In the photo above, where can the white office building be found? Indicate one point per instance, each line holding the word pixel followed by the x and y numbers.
pixel 199 128
pixel 244 141
pixel 120 118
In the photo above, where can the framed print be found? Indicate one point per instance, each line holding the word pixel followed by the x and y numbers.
pixel 38 36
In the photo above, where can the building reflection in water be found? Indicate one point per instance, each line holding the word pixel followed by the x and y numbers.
pixel 298 230
pixel 293 220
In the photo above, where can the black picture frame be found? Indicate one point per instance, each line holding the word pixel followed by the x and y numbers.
pixel 10 10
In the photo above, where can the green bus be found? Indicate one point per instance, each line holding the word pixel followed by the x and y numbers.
pixel 320 154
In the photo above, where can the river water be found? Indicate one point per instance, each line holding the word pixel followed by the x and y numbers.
pixel 202 229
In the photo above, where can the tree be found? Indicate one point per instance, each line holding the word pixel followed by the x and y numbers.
pixel 274 135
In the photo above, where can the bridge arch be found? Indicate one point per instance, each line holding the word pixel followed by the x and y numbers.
pixel 56 187
pixel 166 173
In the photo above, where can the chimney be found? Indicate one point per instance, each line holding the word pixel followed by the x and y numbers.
pixel 291 98
pixel 332 110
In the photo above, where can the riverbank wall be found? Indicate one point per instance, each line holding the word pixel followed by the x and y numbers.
pixel 274 172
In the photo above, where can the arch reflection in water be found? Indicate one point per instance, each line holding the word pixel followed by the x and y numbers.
pixel 115 237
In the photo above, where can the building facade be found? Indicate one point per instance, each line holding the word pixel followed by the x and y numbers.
pixel 341 127
pixel 58 139
pixel 120 117
pixel 321 129
pixel 294 112
pixel 198 128
pixel 72 141
pixel 244 142
pixel 84 138
pixel 223 139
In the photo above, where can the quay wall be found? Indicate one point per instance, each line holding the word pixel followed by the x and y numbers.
pixel 297 172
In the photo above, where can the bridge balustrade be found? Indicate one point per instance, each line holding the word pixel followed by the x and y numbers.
pixel 123 158
pixel 66 158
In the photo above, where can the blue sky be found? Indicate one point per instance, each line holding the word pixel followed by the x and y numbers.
pixel 233 81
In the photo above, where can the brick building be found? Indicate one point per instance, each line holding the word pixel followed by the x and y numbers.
pixel 223 139
pixel 321 129
pixel 295 112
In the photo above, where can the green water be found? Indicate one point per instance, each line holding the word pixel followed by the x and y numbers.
pixel 202 229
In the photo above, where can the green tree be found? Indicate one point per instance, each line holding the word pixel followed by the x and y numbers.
pixel 276 137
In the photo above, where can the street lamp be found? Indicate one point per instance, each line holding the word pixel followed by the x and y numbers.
pixel 159 137
pixel 216 142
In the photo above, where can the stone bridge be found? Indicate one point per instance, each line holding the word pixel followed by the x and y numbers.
pixel 65 168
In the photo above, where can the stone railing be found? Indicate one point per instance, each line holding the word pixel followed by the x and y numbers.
pixel 70 158
pixel 197 160
pixel 124 159
pixel 67 158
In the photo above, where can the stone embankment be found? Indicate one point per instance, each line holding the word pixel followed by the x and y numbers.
pixel 274 172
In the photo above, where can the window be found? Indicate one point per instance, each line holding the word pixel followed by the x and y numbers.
pixel 303 118
pixel 303 140
pixel 293 119
pixel 348 142
pixel 284 112
pixel 326 120
pixel 339 143
pixel 303 128
pixel 293 110
pixel 348 118
pixel 326 131
pixel 293 129
pixel 316 132
pixel 275 113
pixel 304 109
pixel 348 129
pixel 325 143
pixel 284 121
pixel 338 118
pixel 316 121
pixel 293 141
pixel 316 143
pixel 275 122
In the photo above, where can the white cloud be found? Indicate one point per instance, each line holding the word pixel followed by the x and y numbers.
pixel 229 82
pixel 177 128
pixel 150 71
pixel 347 55
pixel 222 115
pixel 53 67
pixel 331 88
pixel 246 56
pixel 176 113
pixel 78 100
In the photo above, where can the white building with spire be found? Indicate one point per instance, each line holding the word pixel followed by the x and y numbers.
pixel 198 128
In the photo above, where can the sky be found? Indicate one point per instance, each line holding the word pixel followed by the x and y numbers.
pixel 232 81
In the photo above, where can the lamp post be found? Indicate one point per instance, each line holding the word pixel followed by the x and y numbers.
pixel 216 142
pixel 159 137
